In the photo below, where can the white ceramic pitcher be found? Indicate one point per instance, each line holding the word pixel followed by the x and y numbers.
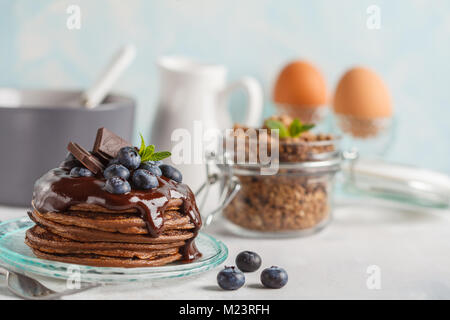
pixel 196 92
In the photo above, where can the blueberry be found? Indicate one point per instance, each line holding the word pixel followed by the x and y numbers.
pixel 155 163
pixel 143 179
pixel 230 278
pixel 113 161
pixel 171 172
pixel 274 277
pixel 248 261
pixel 69 162
pixel 80 172
pixel 117 185
pixel 116 170
pixel 152 168
pixel 129 157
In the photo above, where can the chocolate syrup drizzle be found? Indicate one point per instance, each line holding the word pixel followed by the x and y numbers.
pixel 57 191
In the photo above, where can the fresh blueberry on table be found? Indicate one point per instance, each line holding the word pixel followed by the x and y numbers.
pixel 170 172
pixel 117 185
pixel 230 278
pixel 116 170
pixel 274 277
pixel 152 168
pixel 248 261
pixel 80 172
pixel 143 179
pixel 129 157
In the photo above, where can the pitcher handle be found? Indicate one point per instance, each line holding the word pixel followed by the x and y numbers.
pixel 255 99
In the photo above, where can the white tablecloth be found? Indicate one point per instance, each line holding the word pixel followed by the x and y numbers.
pixel 409 247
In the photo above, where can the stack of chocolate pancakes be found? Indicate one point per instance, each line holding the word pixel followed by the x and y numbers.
pixel 78 221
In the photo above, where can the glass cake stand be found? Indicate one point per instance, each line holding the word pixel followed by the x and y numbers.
pixel 17 256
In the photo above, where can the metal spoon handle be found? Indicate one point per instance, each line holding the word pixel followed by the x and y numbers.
pixel 97 92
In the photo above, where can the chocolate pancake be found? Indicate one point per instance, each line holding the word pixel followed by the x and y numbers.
pixel 79 220
pixel 149 255
pixel 130 223
pixel 90 235
pixel 42 237
pixel 57 191
pixel 172 204
pixel 102 261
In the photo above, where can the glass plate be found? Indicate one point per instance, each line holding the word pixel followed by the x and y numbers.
pixel 15 254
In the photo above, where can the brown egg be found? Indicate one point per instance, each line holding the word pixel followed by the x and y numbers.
pixel 362 94
pixel 300 84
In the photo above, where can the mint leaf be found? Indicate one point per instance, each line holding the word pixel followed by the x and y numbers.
pixel 277 125
pixel 142 148
pixel 307 127
pixel 148 152
pixel 295 129
pixel 157 156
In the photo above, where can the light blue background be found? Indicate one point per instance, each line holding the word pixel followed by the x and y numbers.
pixel 411 51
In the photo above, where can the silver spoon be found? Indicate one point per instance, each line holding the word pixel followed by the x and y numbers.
pixel 31 289
pixel 96 93
pixel 101 87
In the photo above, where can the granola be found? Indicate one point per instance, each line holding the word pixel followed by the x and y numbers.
pixel 293 199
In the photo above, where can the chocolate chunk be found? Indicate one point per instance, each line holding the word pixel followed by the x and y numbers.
pixel 87 159
pixel 107 144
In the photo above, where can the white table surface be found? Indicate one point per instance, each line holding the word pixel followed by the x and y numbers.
pixel 410 246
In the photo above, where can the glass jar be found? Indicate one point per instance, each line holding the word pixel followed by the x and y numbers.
pixel 294 201
pixel 297 199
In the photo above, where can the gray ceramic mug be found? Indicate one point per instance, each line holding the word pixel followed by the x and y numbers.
pixel 37 125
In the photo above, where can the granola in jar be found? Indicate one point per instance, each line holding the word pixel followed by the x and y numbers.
pixel 297 197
